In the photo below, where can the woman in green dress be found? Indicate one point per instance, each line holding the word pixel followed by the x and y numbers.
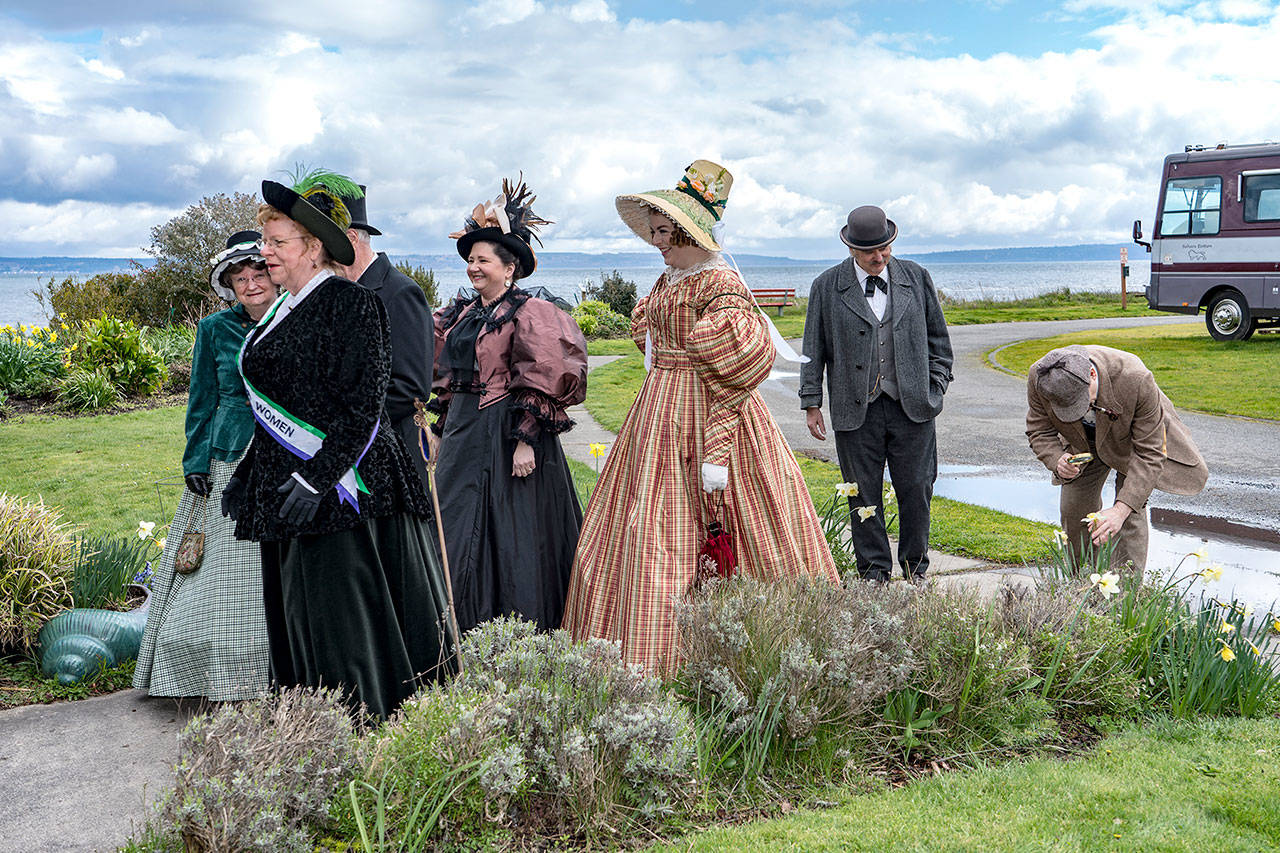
pixel 206 631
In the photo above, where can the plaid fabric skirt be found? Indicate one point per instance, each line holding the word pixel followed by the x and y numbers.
pixel 206 633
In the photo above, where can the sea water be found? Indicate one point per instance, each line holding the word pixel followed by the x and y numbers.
pixel 958 280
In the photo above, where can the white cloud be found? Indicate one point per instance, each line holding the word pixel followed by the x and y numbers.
pixel 586 11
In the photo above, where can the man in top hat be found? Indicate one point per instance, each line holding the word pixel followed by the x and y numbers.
pixel 875 326
pixel 1104 402
pixel 411 331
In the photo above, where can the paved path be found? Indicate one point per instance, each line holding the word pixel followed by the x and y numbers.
pixel 983 424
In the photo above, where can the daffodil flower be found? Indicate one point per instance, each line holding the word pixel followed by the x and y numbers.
pixel 160 542
pixel 1108 584
pixel 865 512
pixel 1245 611
pixel 65 327
pixel 1212 574
pixel 847 490
pixel 597 450
pixel 1060 538
pixel 1226 628
pixel 1275 625
pixel 145 528
pixel 1200 554
pixel 1257 652
pixel 1227 654
pixel 1091 518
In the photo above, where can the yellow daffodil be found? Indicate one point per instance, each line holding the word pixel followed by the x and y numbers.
pixel 847 490
pixel 30 342
pixel 1275 625
pixel 65 327
pixel 1091 518
pixel 1227 654
pixel 53 337
pixel 865 512
pixel 1108 584
pixel 160 542
pixel 597 450
pixel 1226 628
pixel 1257 652
pixel 145 528
pixel 1212 573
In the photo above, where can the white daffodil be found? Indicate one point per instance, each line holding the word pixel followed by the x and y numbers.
pixel 145 528
pixel 847 490
pixel 865 512
pixel 1108 583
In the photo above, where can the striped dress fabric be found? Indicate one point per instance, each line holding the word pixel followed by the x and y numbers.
pixel 647 517
pixel 206 632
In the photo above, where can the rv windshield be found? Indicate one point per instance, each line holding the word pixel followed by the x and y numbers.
pixel 1191 206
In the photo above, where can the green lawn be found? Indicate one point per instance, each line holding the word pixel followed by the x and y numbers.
pixel 957 528
pixel 1195 371
pixel 1207 785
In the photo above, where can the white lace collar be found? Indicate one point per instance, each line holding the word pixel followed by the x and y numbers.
pixel 675 275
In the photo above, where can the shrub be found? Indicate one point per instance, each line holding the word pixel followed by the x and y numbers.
pixel 172 343
pixel 32 360
pixel 258 775
pixel 781 668
pixel 616 292
pixel 111 294
pixel 105 566
pixel 597 320
pixel 87 391
pixel 6 409
pixel 424 278
pixel 36 553
pixel 116 347
pixel 536 733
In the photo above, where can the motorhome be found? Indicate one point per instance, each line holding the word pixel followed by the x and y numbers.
pixel 1215 245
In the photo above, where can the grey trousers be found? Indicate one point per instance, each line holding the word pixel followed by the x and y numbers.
pixel 1082 496
pixel 911 451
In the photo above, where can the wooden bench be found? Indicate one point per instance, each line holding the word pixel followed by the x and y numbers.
pixel 775 297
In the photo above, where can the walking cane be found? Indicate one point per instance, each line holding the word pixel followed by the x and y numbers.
pixel 420 418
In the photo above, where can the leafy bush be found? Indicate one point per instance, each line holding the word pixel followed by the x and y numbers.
pixel 87 391
pixel 6 409
pixel 257 775
pixel 536 734
pixel 36 554
pixel 786 668
pixel 597 320
pixel 172 343
pixel 116 348
pixel 32 360
pixel 110 294
pixel 616 292
pixel 424 278
pixel 105 566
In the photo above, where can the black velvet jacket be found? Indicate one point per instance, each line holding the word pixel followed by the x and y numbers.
pixel 327 363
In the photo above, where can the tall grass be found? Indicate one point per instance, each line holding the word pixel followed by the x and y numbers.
pixel 105 566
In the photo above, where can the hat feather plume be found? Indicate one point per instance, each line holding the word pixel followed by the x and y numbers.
pixel 306 180
pixel 511 212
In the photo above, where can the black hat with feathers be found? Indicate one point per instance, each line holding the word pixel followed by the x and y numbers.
pixel 508 220
pixel 315 202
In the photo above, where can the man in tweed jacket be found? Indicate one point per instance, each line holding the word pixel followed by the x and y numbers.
pixel 875 327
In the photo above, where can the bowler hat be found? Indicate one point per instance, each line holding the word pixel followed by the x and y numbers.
pixel 356 207
pixel 868 229
pixel 1063 378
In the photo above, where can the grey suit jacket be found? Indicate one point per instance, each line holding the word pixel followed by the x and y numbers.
pixel 839 337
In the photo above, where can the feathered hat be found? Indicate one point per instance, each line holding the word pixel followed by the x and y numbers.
pixel 315 202
pixel 241 246
pixel 509 220
pixel 695 205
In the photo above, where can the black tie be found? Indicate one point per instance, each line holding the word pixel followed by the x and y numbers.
pixel 874 281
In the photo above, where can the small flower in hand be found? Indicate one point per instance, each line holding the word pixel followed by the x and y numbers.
pixel 1091 519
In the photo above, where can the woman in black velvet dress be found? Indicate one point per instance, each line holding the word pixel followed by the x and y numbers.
pixel 507 367
pixel 354 593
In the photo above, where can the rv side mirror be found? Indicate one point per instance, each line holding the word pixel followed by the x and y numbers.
pixel 1137 230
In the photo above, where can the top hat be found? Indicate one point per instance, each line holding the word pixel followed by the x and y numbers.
pixel 241 246
pixel 868 229
pixel 695 205
pixel 507 220
pixel 315 201
pixel 356 207
pixel 1063 378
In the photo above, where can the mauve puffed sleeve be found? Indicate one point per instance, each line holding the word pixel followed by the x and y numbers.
pixel 548 369
pixel 732 353
pixel 441 321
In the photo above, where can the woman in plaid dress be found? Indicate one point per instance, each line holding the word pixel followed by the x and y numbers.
pixel 698 443
pixel 206 632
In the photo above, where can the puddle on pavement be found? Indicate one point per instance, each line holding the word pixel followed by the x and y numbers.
pixel 1250 557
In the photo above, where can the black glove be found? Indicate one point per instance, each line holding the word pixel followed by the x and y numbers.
pixel 301 504
pixel 232 498
pixel 199 484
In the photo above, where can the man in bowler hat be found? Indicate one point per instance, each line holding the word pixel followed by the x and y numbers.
pixel 412 337
pixel 875 327
pixel 1101 406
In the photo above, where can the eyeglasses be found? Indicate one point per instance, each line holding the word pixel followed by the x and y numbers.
pixel 256 275
pixel 276 242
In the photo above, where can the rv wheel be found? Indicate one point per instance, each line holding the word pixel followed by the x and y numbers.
pixel 1228 317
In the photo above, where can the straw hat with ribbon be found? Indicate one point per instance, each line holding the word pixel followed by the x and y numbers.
pixel 241 246
pixel 509 221
pixel 315 202
pixel 695 205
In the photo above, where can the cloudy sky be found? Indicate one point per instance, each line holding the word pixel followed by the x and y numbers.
pixel 975 123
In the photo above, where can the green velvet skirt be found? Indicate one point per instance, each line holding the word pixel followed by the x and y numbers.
pixel 362 610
